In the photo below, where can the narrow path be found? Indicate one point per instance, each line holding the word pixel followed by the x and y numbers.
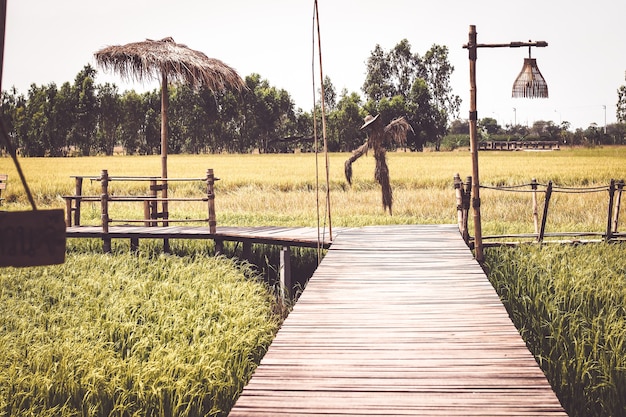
pixel 398 320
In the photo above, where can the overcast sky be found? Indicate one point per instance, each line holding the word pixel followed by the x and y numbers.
pixel 584 64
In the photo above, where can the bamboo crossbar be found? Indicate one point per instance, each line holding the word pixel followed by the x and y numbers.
pixel 156 221
pixel 614 190
pixel 122 178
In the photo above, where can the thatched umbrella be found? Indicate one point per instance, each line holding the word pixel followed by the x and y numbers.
pixel 170 62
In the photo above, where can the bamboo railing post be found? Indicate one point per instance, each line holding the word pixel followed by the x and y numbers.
pixel 545 212
pixel 150 207
pixel 104 204
pixel 210 182
pixel 533 185
pixel 285 273
pixel 618 203
pixel 467 198
pixel 609 221
pixel 458 190
pixel 78 193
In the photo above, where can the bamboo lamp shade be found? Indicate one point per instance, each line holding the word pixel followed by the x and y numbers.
pixel 530 83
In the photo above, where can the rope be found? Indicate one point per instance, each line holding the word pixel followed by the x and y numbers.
pixel 327 215
pixel 555 189
pixel 13 154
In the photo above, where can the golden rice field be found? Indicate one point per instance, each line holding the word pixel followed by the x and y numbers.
pixel 290 189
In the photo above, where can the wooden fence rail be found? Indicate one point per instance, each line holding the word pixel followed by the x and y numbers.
pixel 152 215
pixel 611 233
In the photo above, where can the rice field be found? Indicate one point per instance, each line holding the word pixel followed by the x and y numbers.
pixel 180 334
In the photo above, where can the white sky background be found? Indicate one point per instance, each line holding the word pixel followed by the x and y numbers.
pixel 584 64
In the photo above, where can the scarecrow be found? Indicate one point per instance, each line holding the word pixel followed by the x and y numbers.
pixel 378 138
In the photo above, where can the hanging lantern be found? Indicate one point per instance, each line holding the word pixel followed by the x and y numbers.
pixel 530 83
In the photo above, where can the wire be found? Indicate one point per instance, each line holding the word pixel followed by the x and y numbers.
pixel 13 154
pixel 327 215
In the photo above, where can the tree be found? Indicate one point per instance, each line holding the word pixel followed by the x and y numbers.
pixel 108 118
pixel 268 112
pixel 437 71
pixel 378 76
pixel 84 94
pixel 343 123
pixel 423 84
pixel 490 125
pixel 621 104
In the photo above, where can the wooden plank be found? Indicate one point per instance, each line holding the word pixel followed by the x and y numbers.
pixel 398 320
pixel 289 236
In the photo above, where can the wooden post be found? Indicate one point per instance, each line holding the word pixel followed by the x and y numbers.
pixel 247 251
pixel 219 247
pixel 104 204
pixel 285 272
pixel 467 192
pixel 533 185
pixel 609 221
pixel 210 182
pixel 545 213
pixel 151 206
pixel 68 212
pixel 618 203
pixel 473 121
pixel 458 191
pixel 78 192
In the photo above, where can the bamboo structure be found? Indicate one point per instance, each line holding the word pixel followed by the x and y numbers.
pixel 472 46
pixel 609 234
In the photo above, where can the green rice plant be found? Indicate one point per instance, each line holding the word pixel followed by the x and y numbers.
pixel 147 334
pixel 569 303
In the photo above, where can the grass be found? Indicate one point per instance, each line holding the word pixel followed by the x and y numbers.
pixel 127 335
pixel 119 335
pixel 569 303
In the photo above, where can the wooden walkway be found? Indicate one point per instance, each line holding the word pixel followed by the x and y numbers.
pixel 398 320
pixel 271 235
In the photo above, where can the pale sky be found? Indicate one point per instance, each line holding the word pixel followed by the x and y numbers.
pixel 584 64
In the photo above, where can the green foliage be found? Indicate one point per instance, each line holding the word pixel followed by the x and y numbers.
pixel 418 88
pixel 123 335
pixel 570 306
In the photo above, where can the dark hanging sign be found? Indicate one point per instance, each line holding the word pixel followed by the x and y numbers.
pixel 32 238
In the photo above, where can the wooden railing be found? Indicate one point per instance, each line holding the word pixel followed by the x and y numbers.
pixel 153 216
pixel 614 193
pixel 502 145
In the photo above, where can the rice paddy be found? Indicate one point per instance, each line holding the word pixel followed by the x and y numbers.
pixel 156 334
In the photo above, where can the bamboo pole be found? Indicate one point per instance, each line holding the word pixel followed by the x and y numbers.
pixel 609 221
pixel 467 192
pixel 544 218
pixel 533 185
pixel 458 190
pixel 210 182
pixel 473 121
pixel 618 203
pixel 104 205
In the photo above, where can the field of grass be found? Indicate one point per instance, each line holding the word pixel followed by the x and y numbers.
pixel 122 334
pixel 569 303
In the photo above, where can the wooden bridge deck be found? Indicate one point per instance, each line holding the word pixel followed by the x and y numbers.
pixel 398 320
pixel 272 235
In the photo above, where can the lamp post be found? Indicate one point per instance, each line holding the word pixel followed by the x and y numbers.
pixel 529 84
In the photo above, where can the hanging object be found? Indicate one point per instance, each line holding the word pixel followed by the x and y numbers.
pixel 530 83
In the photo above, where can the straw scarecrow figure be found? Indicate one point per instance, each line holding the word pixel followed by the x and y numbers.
pixel 378 138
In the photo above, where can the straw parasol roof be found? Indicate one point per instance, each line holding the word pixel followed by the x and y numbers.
pixel 170 62
pixel 151 59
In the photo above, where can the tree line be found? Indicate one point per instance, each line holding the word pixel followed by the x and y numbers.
pixel 84 118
